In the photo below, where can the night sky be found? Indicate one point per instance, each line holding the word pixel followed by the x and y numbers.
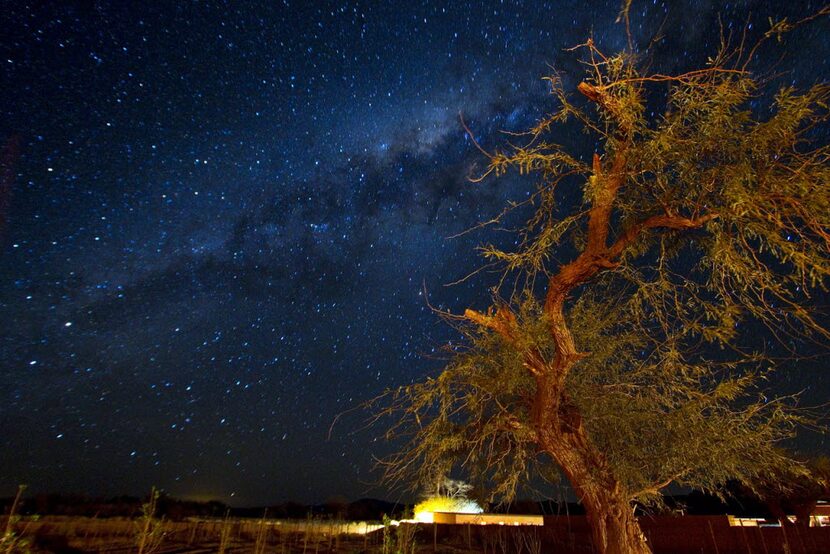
pixel 218 219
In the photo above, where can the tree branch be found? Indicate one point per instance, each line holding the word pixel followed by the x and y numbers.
pixel 502 321
pixel 654 222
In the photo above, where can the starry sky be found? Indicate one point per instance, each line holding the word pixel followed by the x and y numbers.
pixel 218 219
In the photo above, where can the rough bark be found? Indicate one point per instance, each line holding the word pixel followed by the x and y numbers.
pixel 614 527
pixel 561 433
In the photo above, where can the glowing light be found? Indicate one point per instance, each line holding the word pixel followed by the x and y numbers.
pixel 425 509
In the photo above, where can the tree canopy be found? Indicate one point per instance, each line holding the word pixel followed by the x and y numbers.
pixel 621 348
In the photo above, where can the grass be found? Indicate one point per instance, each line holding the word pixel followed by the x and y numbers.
pixel 12 539
pixel 151 535
pixel 317 535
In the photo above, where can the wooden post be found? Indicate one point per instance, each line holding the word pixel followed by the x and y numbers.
pixel 714 540
pixel 743 534
pixel 786 540
pixel 800 540
pixel 763 542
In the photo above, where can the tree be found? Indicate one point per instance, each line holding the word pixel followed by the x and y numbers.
pixel 628 355
pixel 795 493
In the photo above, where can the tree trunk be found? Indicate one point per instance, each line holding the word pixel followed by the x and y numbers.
pixel 778 511
pixel 614 527
pixel 561 432
pixel 803 512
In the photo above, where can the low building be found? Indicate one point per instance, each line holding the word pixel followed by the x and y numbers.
pixel 454 518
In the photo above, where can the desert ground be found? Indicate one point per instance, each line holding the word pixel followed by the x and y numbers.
pixel 667 535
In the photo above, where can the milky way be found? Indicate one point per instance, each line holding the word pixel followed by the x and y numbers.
pixel 219 220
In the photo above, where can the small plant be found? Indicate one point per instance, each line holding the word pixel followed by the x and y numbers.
pixel 225 533
pixel 405 538
pixel 401 539
pixel 388 539
pixel 308 529
pixel 261 535
pixel 10 541
pixel 532 541
pixel 150 529
pixel 448 496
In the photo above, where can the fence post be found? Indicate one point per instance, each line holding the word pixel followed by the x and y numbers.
pixel 786 540
pixel 763 542
pixel 712 532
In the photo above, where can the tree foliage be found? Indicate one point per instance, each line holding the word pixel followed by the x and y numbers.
pixel 644 282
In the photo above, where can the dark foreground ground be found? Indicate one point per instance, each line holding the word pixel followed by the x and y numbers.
pixel 561 534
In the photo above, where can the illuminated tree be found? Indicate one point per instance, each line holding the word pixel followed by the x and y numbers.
pixel 628 356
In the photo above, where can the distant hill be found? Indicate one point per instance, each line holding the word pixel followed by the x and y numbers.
pixel 364 509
